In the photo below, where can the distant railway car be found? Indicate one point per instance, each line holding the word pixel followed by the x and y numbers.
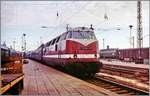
pixel 109 53
pixel 15 53
pixel 76 51
pixel 137 55
pixel 36 54
pixel 7 52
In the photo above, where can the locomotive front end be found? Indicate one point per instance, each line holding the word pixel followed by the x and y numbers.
pixel 82 49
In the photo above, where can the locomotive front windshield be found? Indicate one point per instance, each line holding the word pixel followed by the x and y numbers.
pixel 81 35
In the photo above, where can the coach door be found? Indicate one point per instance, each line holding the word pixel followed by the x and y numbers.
pixel 42 52
pixel 57 49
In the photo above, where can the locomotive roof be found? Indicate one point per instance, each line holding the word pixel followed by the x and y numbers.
pixel 81 29
pixel 69 29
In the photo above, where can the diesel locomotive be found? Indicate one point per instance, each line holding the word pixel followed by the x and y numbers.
pixel 75 51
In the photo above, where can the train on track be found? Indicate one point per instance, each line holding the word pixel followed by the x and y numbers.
pixel 75 51
pixel 137 55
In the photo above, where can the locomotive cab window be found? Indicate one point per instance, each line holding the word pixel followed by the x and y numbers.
pixel 83 35
pixel 69 34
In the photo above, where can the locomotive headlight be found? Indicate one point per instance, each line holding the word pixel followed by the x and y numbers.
pixel 75 55
pixel 95 55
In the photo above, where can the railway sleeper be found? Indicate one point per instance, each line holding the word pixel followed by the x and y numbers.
pixel 122 92
pixel 120 71
pixel 105 86
pixel 125 69
pixel 111 87
pixel 115 89
pixel 132 93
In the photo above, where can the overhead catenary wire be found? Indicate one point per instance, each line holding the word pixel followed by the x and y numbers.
pixel 74 14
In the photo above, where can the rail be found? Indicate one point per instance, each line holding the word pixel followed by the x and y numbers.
pixel 116 87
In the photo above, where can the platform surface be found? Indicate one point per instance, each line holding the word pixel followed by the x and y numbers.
pixel 9 80
pixel 127 64
pixel 40 79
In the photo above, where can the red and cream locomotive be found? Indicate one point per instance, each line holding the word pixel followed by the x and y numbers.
pixel 76 51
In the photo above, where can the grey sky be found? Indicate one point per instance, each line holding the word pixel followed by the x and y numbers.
pixel 18 17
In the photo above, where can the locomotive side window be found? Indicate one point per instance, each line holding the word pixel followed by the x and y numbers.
pixel 53 41
pixel 46 44
pixel 49 43
pixel 63 37
pixel 57 39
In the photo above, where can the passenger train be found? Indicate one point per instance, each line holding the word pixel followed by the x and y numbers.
pixel 76 51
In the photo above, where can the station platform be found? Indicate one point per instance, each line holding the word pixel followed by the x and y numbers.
pixel 40 79
pixel 125 64
pixel 11 80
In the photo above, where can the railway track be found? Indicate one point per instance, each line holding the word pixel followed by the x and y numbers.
pixel 116 87
pixel 140 74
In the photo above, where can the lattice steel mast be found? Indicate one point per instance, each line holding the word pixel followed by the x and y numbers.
pixel 139 25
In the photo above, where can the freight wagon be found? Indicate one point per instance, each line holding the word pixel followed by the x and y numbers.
pixel 137 55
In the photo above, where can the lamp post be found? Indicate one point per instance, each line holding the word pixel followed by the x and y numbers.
pixel 23 44
pixel 131 44
pixel 103 43
pixel 133 41
pixel 14 44
pixel 130 26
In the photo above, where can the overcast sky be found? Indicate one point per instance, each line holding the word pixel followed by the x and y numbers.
pixel 18 17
